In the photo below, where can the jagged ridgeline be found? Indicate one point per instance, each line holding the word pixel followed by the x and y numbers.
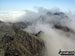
pixel 19 43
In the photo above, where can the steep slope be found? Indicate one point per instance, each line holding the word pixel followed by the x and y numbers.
pixel 21 44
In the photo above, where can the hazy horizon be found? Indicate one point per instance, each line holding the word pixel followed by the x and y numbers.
pixel 16 8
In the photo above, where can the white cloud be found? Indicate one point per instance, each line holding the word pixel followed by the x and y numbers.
pixel 10 16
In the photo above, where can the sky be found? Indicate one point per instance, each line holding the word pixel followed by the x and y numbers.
pixel 20 5
pixel 17 7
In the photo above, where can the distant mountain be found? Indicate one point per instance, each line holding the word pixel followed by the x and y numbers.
pixel 1 22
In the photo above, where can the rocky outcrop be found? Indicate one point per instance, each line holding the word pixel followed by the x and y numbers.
pixel 19 43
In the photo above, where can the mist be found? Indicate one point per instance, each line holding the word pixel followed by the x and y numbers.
pixel 57 29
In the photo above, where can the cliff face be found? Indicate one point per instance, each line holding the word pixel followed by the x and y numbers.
pixel 19 43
